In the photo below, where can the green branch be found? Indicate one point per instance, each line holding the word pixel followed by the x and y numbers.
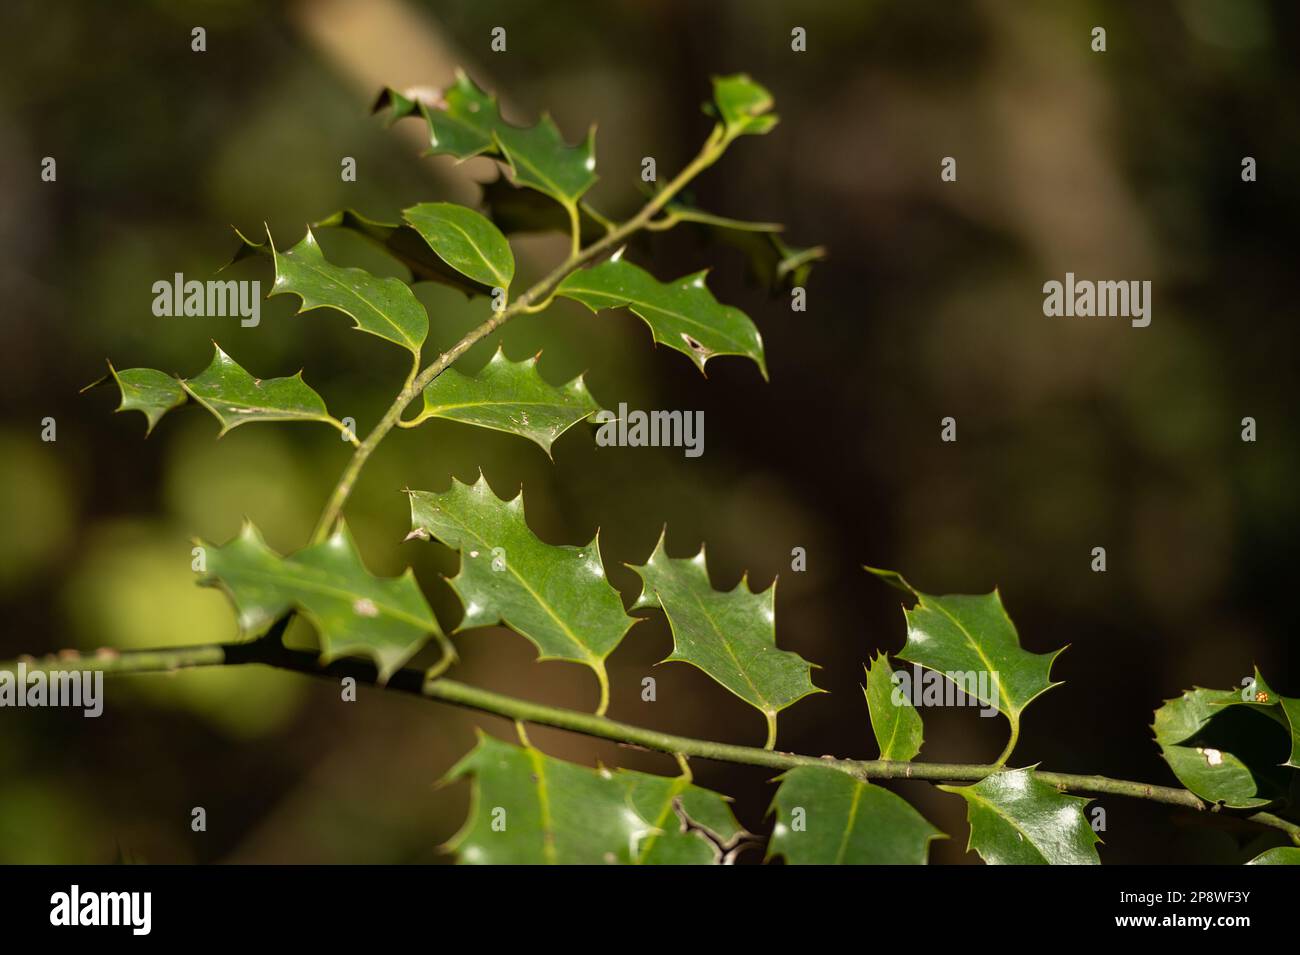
pixel 269 651
pixel 533 300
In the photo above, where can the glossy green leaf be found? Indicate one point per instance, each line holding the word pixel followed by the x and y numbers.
pixel 508 396
pixel 385 307
pixel 465 121
pixel 897 726
pixel 683 314
pixel 1226 754
pixel 147 390
pixel 1016 819
pixel 730 635
pixel 742 106
pixel 556 596
pixel 1283 855
pixel 539 157
pixel 963 636
pixel 400 242
pixel 461 119
pixel 1285 710
pixel 235 397
pixel 688 825
pixel 465 240
pixel 228 391
pixel 826 817
pixel 354 612
pixel 528 808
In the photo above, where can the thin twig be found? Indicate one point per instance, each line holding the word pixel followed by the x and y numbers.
pixel 271 652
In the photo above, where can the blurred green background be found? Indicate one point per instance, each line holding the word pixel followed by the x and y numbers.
pixel 1071 434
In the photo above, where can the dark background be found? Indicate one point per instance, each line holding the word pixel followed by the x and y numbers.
pixel 1071 433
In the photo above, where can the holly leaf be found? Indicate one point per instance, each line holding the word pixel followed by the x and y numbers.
pixel 730 635
pixel 228 391
pixel 385 307
pixel 466 121
pixel 1016 819
pixel 465 240
pixel 689 825
pixel 897 726
pixel 461 118
pixel 1285 710
pixel 235 397
pixel 541 159
pixel 400 242
pixel 147 390
pixel 556 596
pixel 354 612
pixel 1283 855
pixel 407 247
pixel 683 314
pixel 1225 754
pixel 741 105
pixel 827 817
pixel 962 636
pixel 508 396
pixel 528 808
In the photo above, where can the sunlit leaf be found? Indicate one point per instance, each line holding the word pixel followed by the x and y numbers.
pixel 730 635
pixel 1016 819
pixel 148 390
pixel 354 612
pixel 555 595
pixel 539 157
pixel 742 106
pixel 235 397
pixel 385 307
pixel 963 636
pixel 465 240
pixel 683 314
pixel 461 118
pixel 826 817
pixel 1283 855
pixel 508 396
pixel 228 391
pixel 897 726
pixel 464 121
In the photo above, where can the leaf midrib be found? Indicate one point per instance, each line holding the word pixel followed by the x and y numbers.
pixel 312 267
pixel 328 590
pixel 591 658
pixel 1010 820
pixel 635 303
pixel 763 702
pixel 500 277
pixel 1012 712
